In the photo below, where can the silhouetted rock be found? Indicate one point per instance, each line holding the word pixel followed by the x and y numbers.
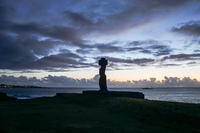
pixel 4 97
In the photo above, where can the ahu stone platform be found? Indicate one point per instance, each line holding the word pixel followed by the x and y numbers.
pixel 116 93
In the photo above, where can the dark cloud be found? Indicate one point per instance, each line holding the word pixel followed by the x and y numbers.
pixel 169 65
pixel 84 51
pixel 117 16
pixel 64 81
pixel 191 28
pixel 135 49
pixel 55 32
pixel 136 13
pixel 99 48
pixel 28 27
pixel 109 47
pixel 64 60
pixel 50 81
pixel 60 81
pixel 141 62
pixel 191 63
pixel 91 16
pixel 182 57
pixel 143 43
pixel 146 51
pixel 197 51
pixel 39 34
pixel 32 45
pixel 136 43
pixel 175 81
pixel 22 80
pixel 11 53
pixel 23 54
pixel 159 50
pixel 4 11
pixel 77 19
pixel 150 47
pixel 168 82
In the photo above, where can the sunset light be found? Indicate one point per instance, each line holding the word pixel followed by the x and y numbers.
pixel 65 39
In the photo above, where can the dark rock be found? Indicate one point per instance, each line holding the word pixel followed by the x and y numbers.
pixel 4 97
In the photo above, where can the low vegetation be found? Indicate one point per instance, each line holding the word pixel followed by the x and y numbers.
pixel 76 113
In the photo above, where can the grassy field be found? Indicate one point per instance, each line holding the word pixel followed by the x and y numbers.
pixel 76 113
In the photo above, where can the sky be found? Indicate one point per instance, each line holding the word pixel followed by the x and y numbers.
pixel 59 42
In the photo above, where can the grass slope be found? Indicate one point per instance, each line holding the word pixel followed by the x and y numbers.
pixel 76 113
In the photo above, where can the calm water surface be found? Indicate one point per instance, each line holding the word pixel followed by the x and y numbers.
pixel 186 95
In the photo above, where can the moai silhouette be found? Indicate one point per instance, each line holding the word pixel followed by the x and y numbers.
pixel 102 80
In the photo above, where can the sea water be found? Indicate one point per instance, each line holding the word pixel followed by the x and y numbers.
pixel 182 94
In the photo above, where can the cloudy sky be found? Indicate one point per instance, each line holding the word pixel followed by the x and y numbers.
pixel 59 42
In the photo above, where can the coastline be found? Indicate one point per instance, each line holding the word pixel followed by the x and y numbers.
pixel 4 97
pixel 180 94
pixel 87 113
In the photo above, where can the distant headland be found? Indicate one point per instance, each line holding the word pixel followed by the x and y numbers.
pixel 19 86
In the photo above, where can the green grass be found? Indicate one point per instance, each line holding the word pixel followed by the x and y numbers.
pixel 76 113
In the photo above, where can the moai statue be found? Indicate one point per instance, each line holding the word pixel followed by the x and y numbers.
pixel 102 80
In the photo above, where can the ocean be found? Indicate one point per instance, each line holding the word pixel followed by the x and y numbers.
pixel 176 94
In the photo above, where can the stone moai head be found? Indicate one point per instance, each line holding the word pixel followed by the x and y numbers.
pixel 103 62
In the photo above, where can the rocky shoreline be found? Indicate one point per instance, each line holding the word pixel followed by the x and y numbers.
pixel 4 97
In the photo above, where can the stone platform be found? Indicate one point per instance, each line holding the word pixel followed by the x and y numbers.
pixel 116 93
